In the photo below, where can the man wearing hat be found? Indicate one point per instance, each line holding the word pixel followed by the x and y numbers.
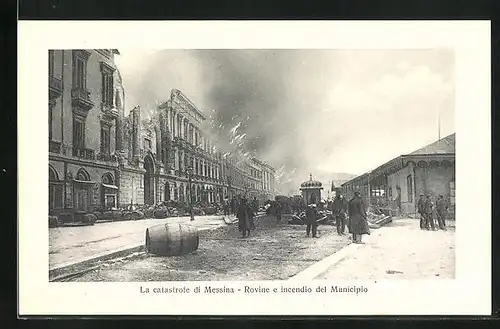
pixel 441 207
pixel 311 216
pixel 428 210
pixel 340 213
pixel 358 222
pixel 420 210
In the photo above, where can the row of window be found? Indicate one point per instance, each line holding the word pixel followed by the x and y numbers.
pixel 79 135
pixel 79 81
pixel 255 173
pixel 409 185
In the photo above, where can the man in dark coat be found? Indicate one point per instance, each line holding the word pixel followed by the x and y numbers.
pixel 420 210
pixel 311 217
pixel 226 206
pixel 277 210
pixel 428 209
pixel 233 205
pixel 339 210
pixel 245 218
pixel 441 207
pixel 358 223
pixel 255 205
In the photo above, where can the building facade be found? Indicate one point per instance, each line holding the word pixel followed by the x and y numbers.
pixel 85 99
pixel 101 157
pixel 170 156
pixel 398 183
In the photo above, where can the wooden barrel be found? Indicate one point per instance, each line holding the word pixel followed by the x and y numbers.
pixel 127 215
pixel 172 239
pixel 117 215
pixel 148 213
pixel 66 218
pixel 160 213
pixel 136 215
pixel 53 221
pixel 89 219
pixel 209 210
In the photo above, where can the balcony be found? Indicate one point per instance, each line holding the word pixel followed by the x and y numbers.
pixel 109 111
pixel 107 157
pixel 83 153
pixel 80 98
pixel 55 147
pixel 55 87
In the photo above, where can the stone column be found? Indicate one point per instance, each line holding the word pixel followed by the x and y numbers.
pixel 136 131
pixel 176 127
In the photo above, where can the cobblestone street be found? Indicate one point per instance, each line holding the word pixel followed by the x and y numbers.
pixel 399 251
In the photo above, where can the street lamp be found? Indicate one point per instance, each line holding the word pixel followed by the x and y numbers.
pixel 190 173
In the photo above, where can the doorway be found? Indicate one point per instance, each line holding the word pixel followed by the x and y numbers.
pixel 82 197
pixel 167 191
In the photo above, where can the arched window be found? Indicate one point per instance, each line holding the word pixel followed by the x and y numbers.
pixel 55 191
pixel 82 175
pixel 108 179
pixel 53 175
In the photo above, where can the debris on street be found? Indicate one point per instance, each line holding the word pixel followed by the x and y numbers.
pixel 272 252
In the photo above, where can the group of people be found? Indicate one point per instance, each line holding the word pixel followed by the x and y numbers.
pixel 351 214
pixel 426 209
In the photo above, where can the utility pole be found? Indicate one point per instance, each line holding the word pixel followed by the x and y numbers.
pixel 439 124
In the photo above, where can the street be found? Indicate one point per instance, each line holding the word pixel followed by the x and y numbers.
pixel 272 252
pixel 73 244
pixel 399 251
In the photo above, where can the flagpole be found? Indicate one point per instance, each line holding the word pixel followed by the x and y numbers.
pixel 439 124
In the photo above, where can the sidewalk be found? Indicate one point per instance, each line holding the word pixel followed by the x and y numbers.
pixel 400 250
pixel 75 244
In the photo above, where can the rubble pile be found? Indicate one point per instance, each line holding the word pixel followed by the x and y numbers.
pixel 324 217
pixel 377 220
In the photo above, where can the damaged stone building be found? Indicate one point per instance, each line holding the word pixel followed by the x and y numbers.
pixel 100 158
pixel 172 148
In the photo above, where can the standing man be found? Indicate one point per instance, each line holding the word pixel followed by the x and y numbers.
pixel 226 207
pixel 245 218
pixel 255 205
pixel 420 210
pixel 428 208
pixel 233 205
pixel 441 207
pixel 358 222
pixel 277 211
pixel 339 210
pixel 311 217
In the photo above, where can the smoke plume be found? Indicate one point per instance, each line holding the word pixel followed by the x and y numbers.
pixel 303 111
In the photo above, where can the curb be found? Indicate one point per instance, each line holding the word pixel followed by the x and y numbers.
pixel 325 264
pixel 62 271
pixel 68 269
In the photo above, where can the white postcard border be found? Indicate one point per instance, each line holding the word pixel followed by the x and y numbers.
pixel 469 293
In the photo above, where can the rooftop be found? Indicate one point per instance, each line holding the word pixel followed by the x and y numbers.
pixel 443 146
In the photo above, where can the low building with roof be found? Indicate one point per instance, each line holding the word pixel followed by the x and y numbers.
pixel 397 184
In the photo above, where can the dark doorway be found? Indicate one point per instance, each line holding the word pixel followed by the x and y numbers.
pixel 167 191
pixel 148 180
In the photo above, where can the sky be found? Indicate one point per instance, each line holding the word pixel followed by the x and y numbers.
pixel 305 112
